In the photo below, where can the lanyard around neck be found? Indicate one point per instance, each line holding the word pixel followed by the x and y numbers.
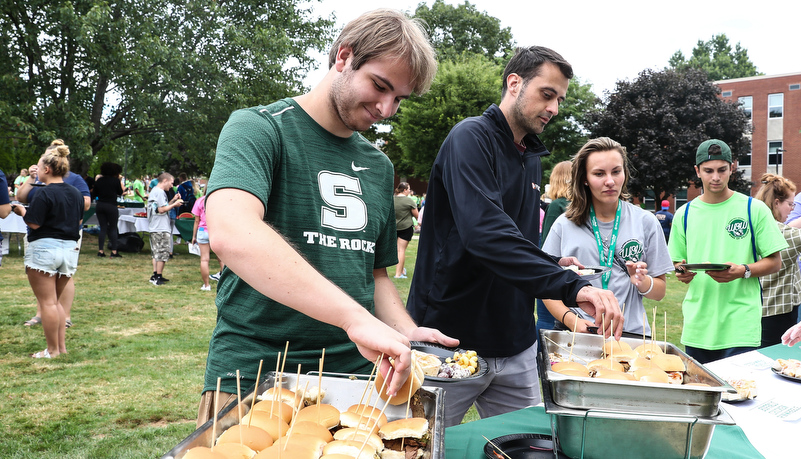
pixel 607 256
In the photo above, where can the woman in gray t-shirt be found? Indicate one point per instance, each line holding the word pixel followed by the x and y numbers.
pixel 598 218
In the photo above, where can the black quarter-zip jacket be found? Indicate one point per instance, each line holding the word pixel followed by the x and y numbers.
pixel 479 266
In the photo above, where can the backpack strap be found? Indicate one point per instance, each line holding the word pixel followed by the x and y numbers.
pixel 751 226
pixel 753 246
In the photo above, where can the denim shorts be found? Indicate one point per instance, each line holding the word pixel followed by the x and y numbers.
pixel 53 256
pixel 202 235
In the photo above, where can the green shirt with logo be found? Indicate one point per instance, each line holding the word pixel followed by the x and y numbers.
pixel 723 315
pixel 331 198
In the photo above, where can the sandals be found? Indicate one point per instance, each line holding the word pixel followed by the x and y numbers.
pixel 45 354
pixel 35 320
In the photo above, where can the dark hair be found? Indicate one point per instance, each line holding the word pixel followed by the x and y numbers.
pixel 578 211
pixel 402 186
pixel 182 176
pixel 109 169
pixel 527 62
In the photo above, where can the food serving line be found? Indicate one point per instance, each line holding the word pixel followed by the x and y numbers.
pixel 758 434
pixel 598 418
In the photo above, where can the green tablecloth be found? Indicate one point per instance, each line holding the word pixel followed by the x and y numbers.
pixel 466 441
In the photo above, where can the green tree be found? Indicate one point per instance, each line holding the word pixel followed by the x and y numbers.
pixel 462 88
pixel 164 75
pixel 661 118
pixel 717 59
pixel 456 29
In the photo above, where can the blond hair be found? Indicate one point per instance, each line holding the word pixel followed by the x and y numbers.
pixel 388 33
pixel 560 181
pixel 55 157
pixel 578 211
pixel 775 187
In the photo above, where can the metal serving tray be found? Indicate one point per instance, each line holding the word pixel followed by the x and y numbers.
pixel 629 396
pixel 342 391
pixel 602 434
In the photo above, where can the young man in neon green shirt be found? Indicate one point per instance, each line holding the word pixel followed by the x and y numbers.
pixel 722 309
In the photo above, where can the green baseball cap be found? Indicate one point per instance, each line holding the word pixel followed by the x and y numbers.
pixel 712 149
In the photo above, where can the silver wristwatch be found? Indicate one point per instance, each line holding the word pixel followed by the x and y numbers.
pixel 747 273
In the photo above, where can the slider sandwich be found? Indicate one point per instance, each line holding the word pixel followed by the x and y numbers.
pixel 411 432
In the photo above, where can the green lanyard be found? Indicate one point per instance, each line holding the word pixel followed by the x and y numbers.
pixel 607 256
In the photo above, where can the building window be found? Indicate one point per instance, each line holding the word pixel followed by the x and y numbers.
pixel 745 160
pixel 775 105
pixel 775 153
pixel 747 104
pixel 726 94
pixel 795 87
pixel 681 198
pixel 648 200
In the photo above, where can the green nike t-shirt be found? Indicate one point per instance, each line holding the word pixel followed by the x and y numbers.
pixel 332 199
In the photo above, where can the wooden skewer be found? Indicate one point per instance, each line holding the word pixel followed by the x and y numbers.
pixel 573 340
pixel 277 388
pixel 563 348
pixel 653 330
pixel 277 377
pixel 612 349
pixel 644 321
pixel 283 362
pixel 496 447
pixel 372 372
pixel 255 391
pixel 409 398
pixel 214 423
pixel 292 427
pixel 367 437
pixel 603 325
pixel 297 386
pixel 320 386
pixel 239 406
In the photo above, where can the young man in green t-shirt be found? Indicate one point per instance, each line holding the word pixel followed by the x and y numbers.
pixel 723 309
pixel 300 210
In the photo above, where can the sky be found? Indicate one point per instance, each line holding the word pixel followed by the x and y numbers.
pixel 608 41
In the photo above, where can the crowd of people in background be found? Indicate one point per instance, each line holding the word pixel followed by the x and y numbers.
pixel 52 201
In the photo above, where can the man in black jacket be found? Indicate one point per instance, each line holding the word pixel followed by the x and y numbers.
pixel 479 267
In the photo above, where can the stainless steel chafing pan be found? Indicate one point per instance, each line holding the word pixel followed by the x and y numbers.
pixel 633 396
pixel 342 391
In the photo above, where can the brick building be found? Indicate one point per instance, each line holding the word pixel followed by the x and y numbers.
pixel 774 103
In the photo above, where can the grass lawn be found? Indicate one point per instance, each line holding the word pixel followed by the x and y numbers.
pixel 130 384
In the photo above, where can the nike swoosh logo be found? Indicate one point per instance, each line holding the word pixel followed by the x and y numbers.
pixel 357 168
